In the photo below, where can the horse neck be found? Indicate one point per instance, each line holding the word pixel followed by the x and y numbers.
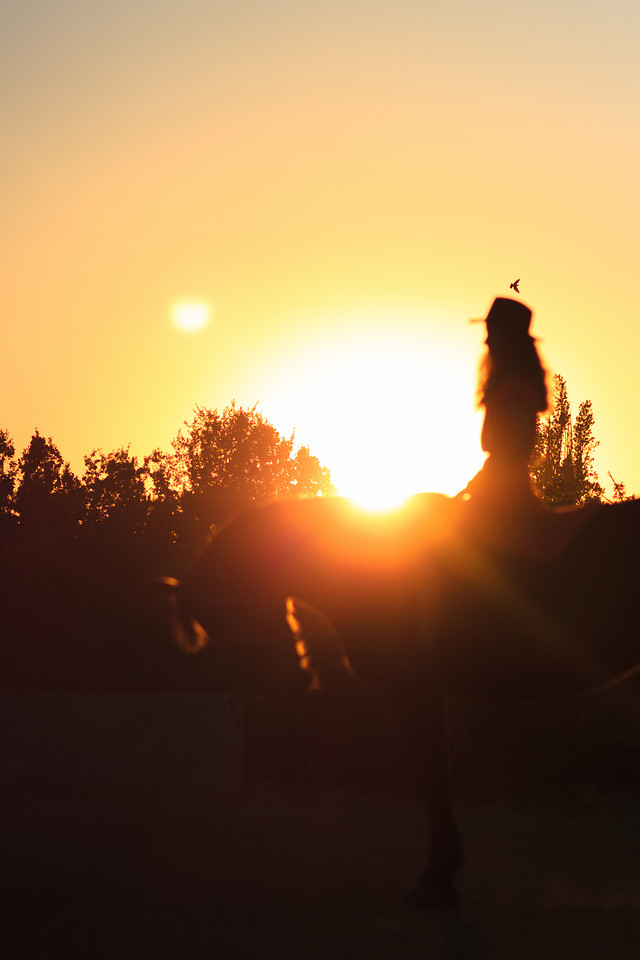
pixel 299 568
pixel 302 549
pixel 273 551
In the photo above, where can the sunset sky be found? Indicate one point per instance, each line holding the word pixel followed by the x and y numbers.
pixel 343 185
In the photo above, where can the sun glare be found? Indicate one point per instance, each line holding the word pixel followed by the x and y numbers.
pixel 379 499
pixel 190 317
pixel 390 414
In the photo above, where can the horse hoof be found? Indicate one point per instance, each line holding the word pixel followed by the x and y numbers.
pixel 428 895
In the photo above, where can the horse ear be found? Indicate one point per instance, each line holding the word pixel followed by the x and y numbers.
pixel 187 632
pixel 190 634
pixel 167 586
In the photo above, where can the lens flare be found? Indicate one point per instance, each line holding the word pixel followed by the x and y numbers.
pixel 190 317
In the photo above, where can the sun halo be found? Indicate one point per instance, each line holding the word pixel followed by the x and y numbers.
pixel 190 316
pixel 390 417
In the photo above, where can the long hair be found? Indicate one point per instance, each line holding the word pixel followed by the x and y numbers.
pixel 513 357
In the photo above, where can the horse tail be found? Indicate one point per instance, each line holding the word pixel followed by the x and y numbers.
pixel 187 631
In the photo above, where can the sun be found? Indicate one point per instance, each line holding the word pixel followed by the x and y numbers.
pixel 390 414
pixel 378 497
pixel 190 316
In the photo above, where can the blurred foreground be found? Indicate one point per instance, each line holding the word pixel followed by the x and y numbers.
pixel 290 873
pixel 194 826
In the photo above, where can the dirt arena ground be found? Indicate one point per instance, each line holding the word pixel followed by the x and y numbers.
pixel 292 873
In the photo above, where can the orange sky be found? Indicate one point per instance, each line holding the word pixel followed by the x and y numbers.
pixel 344 185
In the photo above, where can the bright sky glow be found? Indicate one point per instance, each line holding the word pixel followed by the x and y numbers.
pixel 190 317
pixel 391 408
pixel 319 172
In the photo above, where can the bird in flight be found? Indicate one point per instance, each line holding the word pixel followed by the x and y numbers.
pixel 514 285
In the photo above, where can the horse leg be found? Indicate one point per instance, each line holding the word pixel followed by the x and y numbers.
pixel 426 726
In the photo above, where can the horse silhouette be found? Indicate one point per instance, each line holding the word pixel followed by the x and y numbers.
pixel 425 610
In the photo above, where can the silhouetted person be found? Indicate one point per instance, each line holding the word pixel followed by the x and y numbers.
pixel 503 505
pixel 513 390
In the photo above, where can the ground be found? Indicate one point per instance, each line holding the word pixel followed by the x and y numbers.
pixel 316 873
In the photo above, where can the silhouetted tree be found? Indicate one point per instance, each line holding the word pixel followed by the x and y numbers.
pixel 619 491
pixel 160 477
pixel 8 471
pixel 115 491
pixel 171 536
pixel 310 478
pixel 48 498
pixel 117 509
pixel 226 461
pixel 585 477
pixel 562 462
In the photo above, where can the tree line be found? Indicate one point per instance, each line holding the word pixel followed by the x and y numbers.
pixel 219 464
pixel 77 553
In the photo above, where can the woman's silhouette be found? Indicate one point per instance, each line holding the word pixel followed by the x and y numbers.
pixel 513 393
pixel 501 504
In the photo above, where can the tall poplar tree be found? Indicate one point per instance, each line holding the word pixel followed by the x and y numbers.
pixel 562 464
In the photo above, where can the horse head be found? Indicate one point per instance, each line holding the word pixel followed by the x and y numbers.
pixel 224 608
